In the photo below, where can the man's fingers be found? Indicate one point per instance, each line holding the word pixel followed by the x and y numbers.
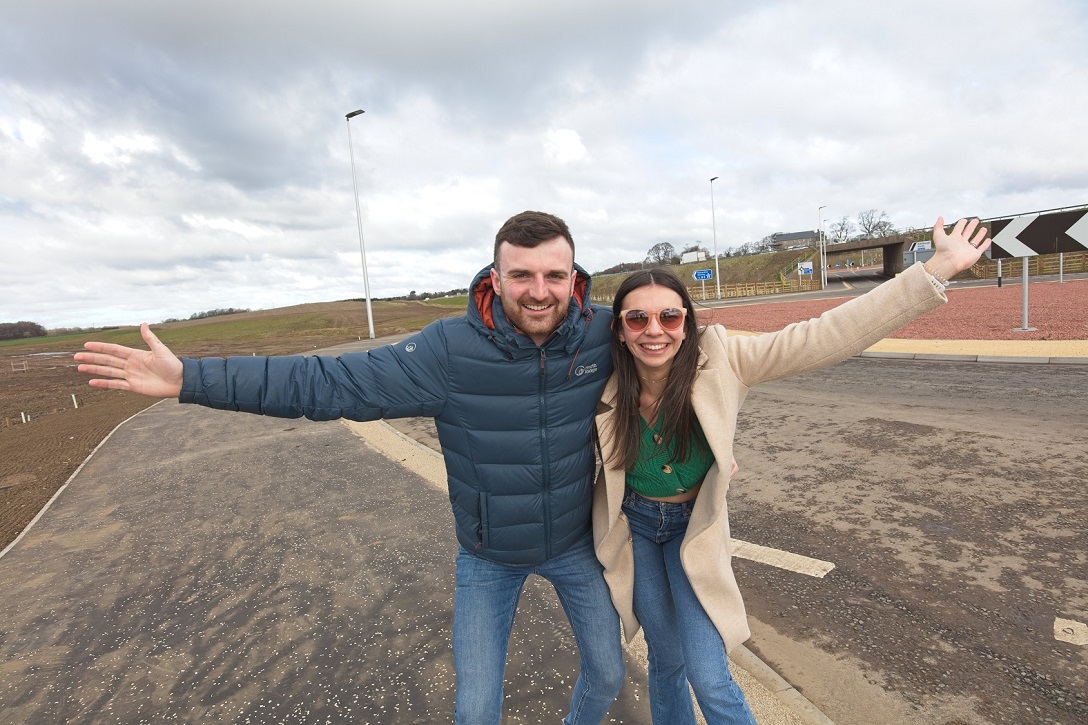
pixel 108 384
pixel 107 370
pixel 98 358
pixel 109 348
pixel 149 337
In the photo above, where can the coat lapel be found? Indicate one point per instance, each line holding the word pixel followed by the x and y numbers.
pixel 716 414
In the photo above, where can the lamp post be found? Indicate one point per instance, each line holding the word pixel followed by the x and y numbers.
pixel 359 220
pixel 714 227
pixel 823 248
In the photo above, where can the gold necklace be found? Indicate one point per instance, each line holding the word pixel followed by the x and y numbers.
pixel 649 380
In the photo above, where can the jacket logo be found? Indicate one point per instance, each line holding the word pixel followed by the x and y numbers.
pixel 585 369
pixel 410 347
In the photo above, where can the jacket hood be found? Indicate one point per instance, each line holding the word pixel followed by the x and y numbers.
pixel 486 315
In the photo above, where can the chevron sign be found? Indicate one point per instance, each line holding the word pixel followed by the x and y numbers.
pixel 1032 234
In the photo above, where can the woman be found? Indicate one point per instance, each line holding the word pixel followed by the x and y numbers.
pixel 665 426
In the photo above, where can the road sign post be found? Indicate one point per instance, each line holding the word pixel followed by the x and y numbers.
pixel 1030 235
pixel 702 275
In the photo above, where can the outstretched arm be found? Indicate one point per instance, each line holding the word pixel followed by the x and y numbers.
pixel 156 372
pixel 958 250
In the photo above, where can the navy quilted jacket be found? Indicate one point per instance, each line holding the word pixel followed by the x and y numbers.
pixel 515 420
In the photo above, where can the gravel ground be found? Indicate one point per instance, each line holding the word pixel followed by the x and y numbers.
pixel 1057 311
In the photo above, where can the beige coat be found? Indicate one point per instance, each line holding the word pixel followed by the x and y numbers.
pixel 728 367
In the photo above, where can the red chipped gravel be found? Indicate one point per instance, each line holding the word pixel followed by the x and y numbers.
pixel 1058 311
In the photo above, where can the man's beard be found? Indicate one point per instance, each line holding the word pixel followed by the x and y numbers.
pixel 535 324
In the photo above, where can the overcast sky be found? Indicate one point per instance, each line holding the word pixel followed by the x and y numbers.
pixel 160 159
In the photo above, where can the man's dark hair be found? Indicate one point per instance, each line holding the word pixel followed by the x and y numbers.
pixel 530 228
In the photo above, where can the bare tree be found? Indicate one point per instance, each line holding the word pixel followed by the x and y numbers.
pixel 840 231
pixel 662 253
pixel 697 247
pixel 875 223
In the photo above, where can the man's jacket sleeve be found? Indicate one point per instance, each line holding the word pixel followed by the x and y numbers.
pixel 394 381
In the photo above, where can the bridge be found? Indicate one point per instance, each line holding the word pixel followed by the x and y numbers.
pixel 893 247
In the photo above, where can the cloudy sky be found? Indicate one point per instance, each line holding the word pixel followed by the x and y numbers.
pixel 160 159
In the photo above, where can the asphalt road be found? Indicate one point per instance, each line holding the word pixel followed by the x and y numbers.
pixel 211 567
pixel 951 498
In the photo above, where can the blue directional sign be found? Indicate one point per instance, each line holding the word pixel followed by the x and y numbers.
pixel 703 274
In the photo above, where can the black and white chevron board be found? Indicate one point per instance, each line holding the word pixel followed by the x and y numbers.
pixel 1041 233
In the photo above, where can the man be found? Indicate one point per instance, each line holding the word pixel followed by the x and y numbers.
pixel 513 387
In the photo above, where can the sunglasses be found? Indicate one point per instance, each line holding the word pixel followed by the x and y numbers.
pixel 670 318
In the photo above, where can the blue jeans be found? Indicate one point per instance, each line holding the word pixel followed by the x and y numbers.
pixel 684 646
pixel 483 615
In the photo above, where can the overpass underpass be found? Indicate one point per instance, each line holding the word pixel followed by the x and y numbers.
pixel 893 248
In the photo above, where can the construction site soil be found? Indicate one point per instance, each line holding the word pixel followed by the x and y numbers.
pixel 38 455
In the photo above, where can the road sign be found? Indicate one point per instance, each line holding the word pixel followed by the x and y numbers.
pixel 1032 234
pixel 703 274
pixel 804 268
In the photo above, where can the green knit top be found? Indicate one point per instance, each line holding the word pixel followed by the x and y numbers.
pixel 657 474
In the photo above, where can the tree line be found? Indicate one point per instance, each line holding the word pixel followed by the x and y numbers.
pixel 869 224
pixel 21 330
pixel 210 313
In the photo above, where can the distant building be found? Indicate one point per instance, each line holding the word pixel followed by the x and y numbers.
pixel 696 256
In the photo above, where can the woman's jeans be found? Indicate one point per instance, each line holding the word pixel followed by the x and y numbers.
pixel 483 615
pixel 682 642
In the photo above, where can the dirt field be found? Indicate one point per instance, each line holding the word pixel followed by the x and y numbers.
pixel 37 458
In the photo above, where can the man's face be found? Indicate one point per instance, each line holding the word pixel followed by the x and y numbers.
pixel 535 285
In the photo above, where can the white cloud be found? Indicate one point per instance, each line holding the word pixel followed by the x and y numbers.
pixel 118 150
pixel 159 160
pixel 565 146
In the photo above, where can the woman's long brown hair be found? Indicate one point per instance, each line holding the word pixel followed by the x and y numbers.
pixel 678 427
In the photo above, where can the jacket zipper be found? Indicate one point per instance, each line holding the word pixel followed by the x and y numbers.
pixel 545 459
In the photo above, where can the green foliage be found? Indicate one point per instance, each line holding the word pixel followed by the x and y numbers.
pixel 459 302
pixel 210 313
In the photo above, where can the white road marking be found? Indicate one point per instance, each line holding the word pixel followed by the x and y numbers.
pixel 781 559
pixel 428 465
pixel 1071 631
pixel 394 445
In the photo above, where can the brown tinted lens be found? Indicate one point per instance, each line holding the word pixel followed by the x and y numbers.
pixel 670 318
pixel 636 320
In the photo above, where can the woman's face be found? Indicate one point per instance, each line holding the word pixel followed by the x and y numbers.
pixel 653 347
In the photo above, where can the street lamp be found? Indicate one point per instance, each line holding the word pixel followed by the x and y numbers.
pixel 714 226
pixel 823 248
pixel 359 219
